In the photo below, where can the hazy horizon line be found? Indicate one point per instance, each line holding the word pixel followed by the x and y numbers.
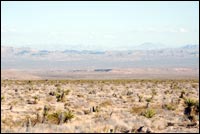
pixel 96 49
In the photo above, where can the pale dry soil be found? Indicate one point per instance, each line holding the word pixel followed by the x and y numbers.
pixel 99 105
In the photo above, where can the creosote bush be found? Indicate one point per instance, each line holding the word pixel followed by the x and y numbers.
pixel 60 117
pixel 170 106
pixel 148 99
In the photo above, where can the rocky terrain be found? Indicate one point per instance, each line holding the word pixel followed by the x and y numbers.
pixel 123 106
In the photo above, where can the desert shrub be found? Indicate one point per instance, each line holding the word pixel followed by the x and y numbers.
pixel 86 111
pixel 60 97
pixel 140 97
pixel 67 92
pixel 192 118
pixel 166 92
pixel 197 107
pixel 137 110
pixel 67 104
pixel 45 110
pixel 80 95
pixel 105 103
pixel 154 92
pixel 57 85
pixel 194 85
pixel 52 93
pixel 170 106
pixel 38 109
pixel 95 109
pixel 54 117
pixel 2 98
pixel 92 92
pixel 190 102
pixel 182 94
pixel 149 113
pixel 129 93
pixel 58 89
pixel 36 98
pixel 68 116
pixel 29 82
pixel 45 113
pixel 58 117
pixel 191 106
pixel 174 85
pixel 32 102
pixel 148 99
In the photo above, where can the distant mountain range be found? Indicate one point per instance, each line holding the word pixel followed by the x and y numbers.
pixel 144 46
pixel 150 46
pixel 145 55
pixel 191 47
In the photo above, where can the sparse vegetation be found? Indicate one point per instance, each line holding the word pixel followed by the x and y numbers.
pixel 197 107
pixel 95 109
pixel 190 102
pixel 54 117
pixel 154 92
pixel 45 112
pixel 105 103
pixel 66 92
pixel 60 96
pixel 194 85
pixel 182 94
pixel 2 98
pixel 140 97
pixel 170 106
pixel 69 101
pixel 137 110
pixel 149 113
pixel 148 99
pixel 68 116
pixel 191 108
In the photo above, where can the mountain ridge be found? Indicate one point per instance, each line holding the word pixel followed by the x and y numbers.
pixel 27 58
pixel 144 46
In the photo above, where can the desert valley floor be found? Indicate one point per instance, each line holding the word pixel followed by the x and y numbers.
pixel 100 106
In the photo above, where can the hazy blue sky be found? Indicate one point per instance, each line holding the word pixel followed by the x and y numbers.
pixel 98 25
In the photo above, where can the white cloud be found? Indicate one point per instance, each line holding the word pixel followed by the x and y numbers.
pixel 174 30
pixel 183 30
pixel 171 30
pixel 151 29
pixel 160 30
pixel 91 35
pixel 8 30
pixel 109 36
pixel 12 30
pixel 53 33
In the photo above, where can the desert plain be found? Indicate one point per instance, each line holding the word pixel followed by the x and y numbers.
pixel 124 106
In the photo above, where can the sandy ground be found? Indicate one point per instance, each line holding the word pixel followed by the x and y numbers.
pixel 99 106
pixel 15 74
pixel 126 73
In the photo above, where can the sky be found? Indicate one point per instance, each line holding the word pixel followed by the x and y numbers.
pixel 84 25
